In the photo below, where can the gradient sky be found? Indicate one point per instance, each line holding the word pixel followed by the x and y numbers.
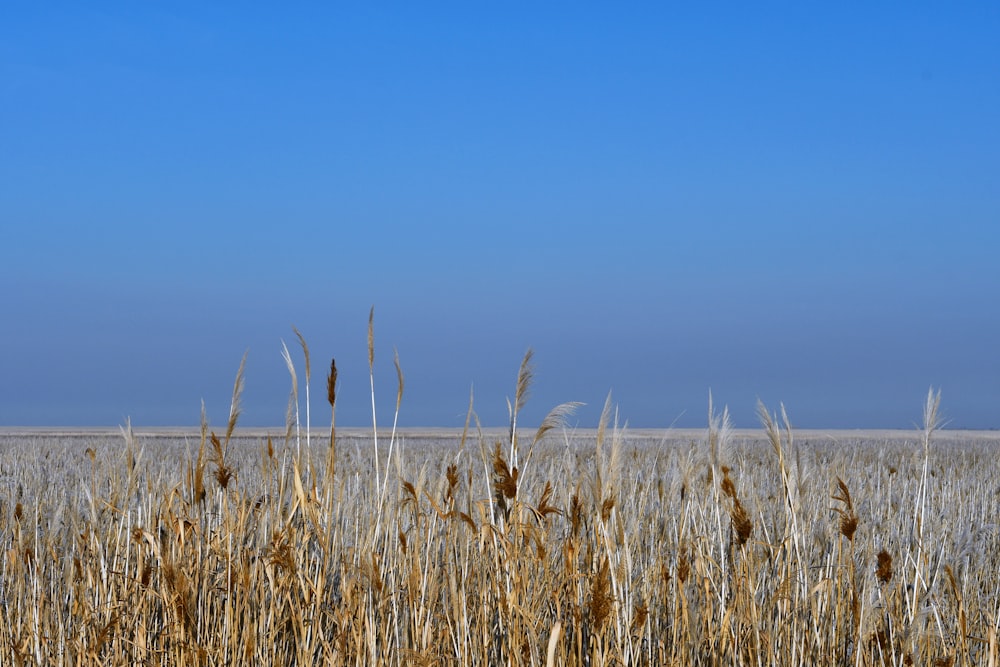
pixel 796 202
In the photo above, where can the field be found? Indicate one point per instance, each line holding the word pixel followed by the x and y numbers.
pixel 507 546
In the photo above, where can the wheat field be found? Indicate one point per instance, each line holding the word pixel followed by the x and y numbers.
pixel 499 546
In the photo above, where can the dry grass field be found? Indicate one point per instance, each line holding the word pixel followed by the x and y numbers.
pixel 500 547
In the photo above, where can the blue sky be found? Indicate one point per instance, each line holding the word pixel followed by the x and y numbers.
pixel 791 202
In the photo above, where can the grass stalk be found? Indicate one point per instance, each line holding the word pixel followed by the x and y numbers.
pixel 371 377
pixel 604 547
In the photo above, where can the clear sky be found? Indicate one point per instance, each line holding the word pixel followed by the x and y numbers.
pixel 797 202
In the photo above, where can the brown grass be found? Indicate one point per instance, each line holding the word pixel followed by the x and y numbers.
pixel 589 549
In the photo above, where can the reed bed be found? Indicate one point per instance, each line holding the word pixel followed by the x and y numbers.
pixel 538 546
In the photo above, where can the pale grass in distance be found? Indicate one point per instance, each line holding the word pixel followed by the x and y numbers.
pixel 591 548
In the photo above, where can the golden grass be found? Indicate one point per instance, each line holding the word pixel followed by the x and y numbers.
pixel 588 549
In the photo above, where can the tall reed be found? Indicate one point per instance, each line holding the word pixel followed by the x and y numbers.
pixel 502 546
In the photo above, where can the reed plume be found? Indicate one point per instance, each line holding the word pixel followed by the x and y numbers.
pixel 331 397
